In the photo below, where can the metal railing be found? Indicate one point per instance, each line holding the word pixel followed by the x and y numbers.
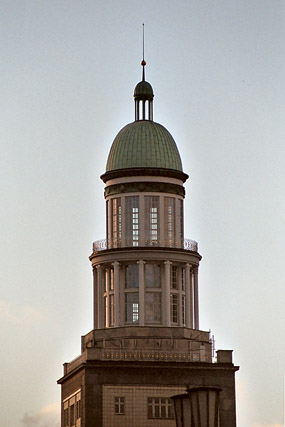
pixel 104 244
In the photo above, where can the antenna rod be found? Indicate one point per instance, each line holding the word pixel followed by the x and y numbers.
pixel 143 63
pixel 143 42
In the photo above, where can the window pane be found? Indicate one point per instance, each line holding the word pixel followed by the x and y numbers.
pixel 116 222
pixel 152 276
pixel 169 221
pixel 174 308
pixel 132 276
pixel 173 282
pixel 152 220
pixel 153 307
pixel 132 220
pixel 132 308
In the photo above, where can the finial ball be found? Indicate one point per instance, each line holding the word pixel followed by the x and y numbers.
pixel 143 63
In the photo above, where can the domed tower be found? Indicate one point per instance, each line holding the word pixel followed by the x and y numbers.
pixel 146 345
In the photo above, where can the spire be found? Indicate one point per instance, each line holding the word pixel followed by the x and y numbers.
pixel 143 95
pixel 143 63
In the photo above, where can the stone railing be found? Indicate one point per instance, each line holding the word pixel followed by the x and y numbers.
pixel 104 244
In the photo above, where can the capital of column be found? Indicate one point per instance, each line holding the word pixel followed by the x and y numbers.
pixel 98 267
pixel 140 262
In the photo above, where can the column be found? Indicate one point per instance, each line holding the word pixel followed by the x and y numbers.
pixel 167 293
pixel 100 302
pixel 141 293
pixel 116 294
pixel 196 298
pixel 95 299
pixel 161 226
pixel 188 302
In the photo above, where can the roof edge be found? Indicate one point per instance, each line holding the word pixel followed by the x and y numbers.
pixel 172 173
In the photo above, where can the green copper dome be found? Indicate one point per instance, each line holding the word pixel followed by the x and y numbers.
pixel 143 144
pixel 143 89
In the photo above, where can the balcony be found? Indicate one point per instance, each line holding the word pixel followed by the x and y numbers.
pixel 104 244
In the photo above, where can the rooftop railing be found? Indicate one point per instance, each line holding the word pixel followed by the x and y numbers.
pixel 104 244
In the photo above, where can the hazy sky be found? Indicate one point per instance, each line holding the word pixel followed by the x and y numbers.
pixel 68 69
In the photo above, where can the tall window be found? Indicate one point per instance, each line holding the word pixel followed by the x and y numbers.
pixel 152 220
pixel 119 405
pixel 132 307
pixel 169 221
pixel 180 222
pixel 183 278
pixel 159 407
pixel 153 307
pixel 116 222
pixel 132 276
pixel 173 281
pixel 132 220
pixel 111 310
pixel 183 310
pixel 152 276
pixel 174 308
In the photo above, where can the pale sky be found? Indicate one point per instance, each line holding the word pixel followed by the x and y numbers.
pixel 68 69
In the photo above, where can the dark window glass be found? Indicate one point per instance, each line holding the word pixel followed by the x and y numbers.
pixel 152 276
pixel 132 276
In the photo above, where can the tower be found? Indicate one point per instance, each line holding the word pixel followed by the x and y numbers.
pixel 146 345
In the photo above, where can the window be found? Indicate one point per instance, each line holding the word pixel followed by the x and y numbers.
pixel 72 418
pixel 180 222
pixel 78 409
pixel 65 417
pixel 174 308
pixel 151 220
pixel 173 281
pixel 159 407
pixel 132 307
pixel 169 220
pixel 111 279
pixel 132 276
pixel 119 405
pixel 183 310
pixel 152 276
pixel 72 409
pixel 111 310
pixel 183 279
pixel 116 222
pixel 153 307
pixel 132 220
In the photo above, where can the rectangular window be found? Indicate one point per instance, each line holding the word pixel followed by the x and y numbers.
pixel 183 279
pixel 65 418
pixel 105 311
pixel 152 220
pixel 183 310
pixel 132 220
pixel 173 282
pixel 119 405
pixel 174 308
pixel 116 222
pixel 132 276
pixel 111 310
pixel 78 409
pixel 159 407
pixel 132 307
pixel 152 276
pixel 111 279
pixel 72 418
pixel 152 307
pixel 169 221
pixel 180 223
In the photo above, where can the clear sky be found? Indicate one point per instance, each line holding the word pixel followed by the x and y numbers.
pixel 68 69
